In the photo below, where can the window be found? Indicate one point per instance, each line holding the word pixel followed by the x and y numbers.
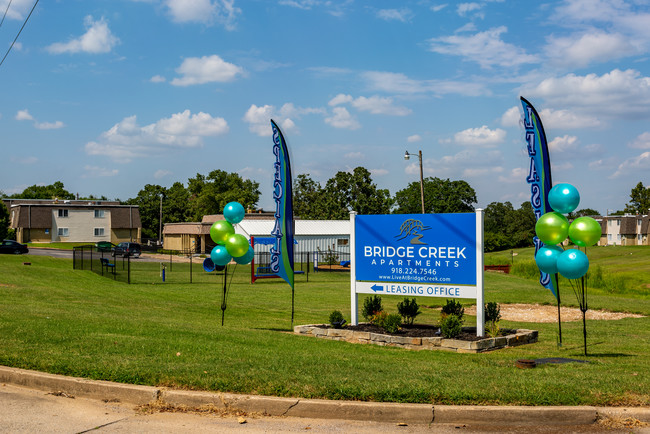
pixel 639 238
pixel 64 232
pixel 63 213
pixel 47 231
pixel 99 232
pixel 342 242
pixel 618 222
pixel 99 213
pixel 618 237
pixel 609 237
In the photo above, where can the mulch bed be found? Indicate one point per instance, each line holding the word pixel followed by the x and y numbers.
pixel 421 331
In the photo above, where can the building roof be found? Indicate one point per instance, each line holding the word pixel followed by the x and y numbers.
pixel 302 227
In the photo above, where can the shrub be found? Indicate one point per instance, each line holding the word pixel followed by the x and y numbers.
pixel 336 319
pixel 453 307
pixel 371 306
pixel 408 309
pixel 451 326
pixel 379 318
pixel 492 312
pixel 392 322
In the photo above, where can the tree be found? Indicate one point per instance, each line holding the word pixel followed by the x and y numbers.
pixel 506 227
pixel 585 212
pixel 4 221
pixel 209 194
pixel 639 200
pixel 148 201
pixel 354 191
pixel 440 196
pixel 176 204
pixel 56 190
pixel 308 198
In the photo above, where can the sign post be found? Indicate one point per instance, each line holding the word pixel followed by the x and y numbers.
pixel 428 255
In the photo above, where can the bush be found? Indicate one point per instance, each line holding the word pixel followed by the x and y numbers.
pixel 492 312
pixel 371 306
pixel 336 319
pixel 453 307
pixel 392 322
pixel 379 318
pixel 451 326
pixel 408 309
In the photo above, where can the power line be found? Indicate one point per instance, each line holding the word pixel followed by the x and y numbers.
pixel 6 10
pixel 21 29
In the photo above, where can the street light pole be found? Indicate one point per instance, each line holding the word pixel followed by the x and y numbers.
pixel 406 157
pixel 160 222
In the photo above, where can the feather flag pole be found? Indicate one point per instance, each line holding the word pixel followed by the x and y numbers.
pixel 539 178
pixel 283 230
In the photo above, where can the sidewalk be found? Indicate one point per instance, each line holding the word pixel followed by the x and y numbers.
pixel 226 403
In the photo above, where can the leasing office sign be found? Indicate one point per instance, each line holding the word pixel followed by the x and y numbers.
pixel 434 255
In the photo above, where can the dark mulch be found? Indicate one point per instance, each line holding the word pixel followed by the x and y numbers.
pixel 420 331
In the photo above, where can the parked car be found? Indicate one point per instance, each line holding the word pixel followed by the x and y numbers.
pixel 104 246
pixel 11 246
pixel 127 249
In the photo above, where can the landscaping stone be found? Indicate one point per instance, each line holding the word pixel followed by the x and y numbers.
pixel 520 337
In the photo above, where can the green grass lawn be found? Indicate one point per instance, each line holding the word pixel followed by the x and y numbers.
pixel 59 320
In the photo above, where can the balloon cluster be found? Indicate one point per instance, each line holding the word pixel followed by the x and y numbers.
pixel 553 228
pixel 230 246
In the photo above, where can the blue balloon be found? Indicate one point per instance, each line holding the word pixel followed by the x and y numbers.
pixel 564 198
pixel 220 255
pixel 234 212
pixel 546 258
pixel 572 264
pixel 208 265
pixel 246 258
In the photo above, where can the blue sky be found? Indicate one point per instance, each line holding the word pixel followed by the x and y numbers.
pixel 109 95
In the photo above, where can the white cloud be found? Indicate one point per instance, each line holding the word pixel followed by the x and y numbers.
pixel 582 50
pixel 127 140
pixel 641 142
pixel 566 119
pixel 485 48
pixel 403 15
pixel 206 69
pixel 259 117
pixel 516 176
pixel 438 8
pixel 469 161
pixel 414 138
pixel 99 172
pixel 564 143
pixel 18 10
pixel 464 9
pixel 204 11
pixel 482 136
pixel 341 118
pixel 160 173
pixel 23 115
pixel 615 94
pixel 97 39
pixel 511 117
pixel 354 156
pixel 379 172
pixel 340 99
pixel 399 83
pixel 157 79
pixel 49 125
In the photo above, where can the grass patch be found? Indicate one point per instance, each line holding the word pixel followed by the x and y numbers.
pixel 73 322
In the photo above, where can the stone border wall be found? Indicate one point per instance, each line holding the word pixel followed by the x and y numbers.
pixel 520 337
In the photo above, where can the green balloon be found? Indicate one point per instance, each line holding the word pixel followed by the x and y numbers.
pixel 220 231
pixel 552 228
pixel 585 231
pixel 237 245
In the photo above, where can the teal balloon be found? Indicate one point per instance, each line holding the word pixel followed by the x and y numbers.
pixel 234 212
pixel 585 231
pixel 564 198
pixel 572 264
pixel 237 245
pixel 552 228
pixel 247 258
pixel 220 255
pixel 220 231
pixel 546 258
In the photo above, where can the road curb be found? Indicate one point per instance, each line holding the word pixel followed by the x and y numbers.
pixel 320 408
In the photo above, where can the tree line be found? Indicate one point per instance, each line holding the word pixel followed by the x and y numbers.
pixel 505 226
